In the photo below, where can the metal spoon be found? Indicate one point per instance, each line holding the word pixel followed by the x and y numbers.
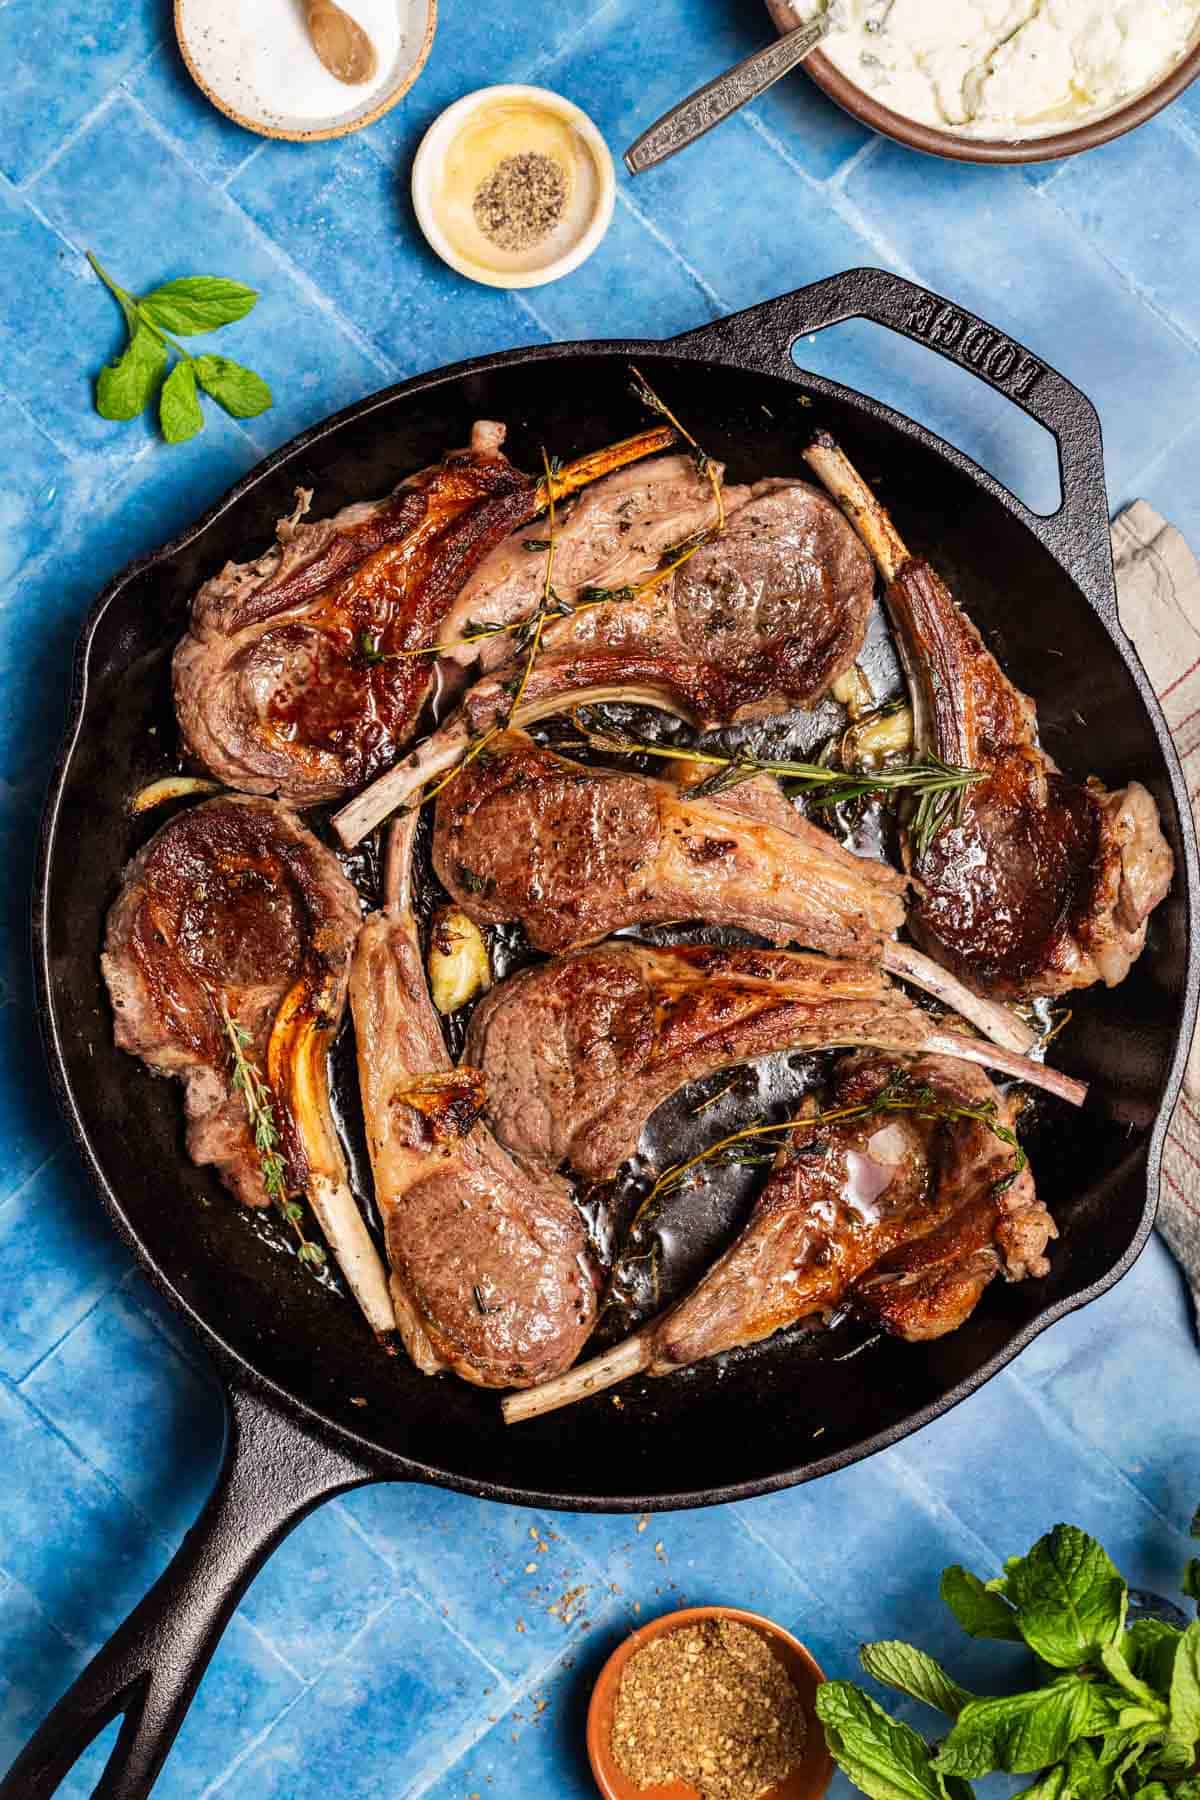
pixel 341 43
pixel 715 101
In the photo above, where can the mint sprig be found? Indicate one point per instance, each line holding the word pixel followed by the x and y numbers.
pixel 192 304
pixel 1115 1715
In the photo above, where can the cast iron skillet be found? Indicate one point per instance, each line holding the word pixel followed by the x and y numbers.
pixel 313 1408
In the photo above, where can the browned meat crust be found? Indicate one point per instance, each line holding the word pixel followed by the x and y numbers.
pixel 576 853
pixel 1042 884
pixel 906 1219
pixel 577 1052
pixel 232 902
pixel 277 688
pixel 490 1273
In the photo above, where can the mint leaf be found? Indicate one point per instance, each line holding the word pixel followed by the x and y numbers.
pixel 1119 1670
pixel 1069 1597
pixel 125 388
pixel 981 1612
pixel 1183 1733
pixel 1087 1774
pixel 1194 1527
pixel 1021 1733
pixel 239 390
pixel 905 1667
pixel 1157 1790
pixel 1150 1646
pixel 1054 1785
pixel 178 408
pixel 197 303
pixel 883 1758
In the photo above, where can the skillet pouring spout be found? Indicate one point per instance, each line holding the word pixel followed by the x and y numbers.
pixel 315 1407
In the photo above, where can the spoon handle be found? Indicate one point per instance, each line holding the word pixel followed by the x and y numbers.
pixel 715 101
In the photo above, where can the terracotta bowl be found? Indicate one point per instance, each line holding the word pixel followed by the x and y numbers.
pixel 810 1778
pixel 960 148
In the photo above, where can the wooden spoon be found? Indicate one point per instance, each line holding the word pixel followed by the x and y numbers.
pixel 341 43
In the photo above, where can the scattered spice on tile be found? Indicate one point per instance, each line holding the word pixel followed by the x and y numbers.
pixel 531 1568
pixel 712 1705
pixel 520 1625
pixel 643 1521
pixel 521 201
pixel 567 1608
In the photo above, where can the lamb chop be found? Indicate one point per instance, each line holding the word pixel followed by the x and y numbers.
pixel 232 934
pixel 291 678
pixel 903 1216
pixel 490 1272
pixel 576 1053
pixel 1041 884
pixel 764 617
pixel 576 853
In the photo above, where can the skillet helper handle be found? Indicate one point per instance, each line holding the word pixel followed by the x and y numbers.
pixel 273 1473
pixel 1077 535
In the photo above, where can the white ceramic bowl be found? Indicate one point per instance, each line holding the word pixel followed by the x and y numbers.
pixel 255 62
pixel 430 159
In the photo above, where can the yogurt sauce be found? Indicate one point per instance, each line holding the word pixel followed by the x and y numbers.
pixel 1004 68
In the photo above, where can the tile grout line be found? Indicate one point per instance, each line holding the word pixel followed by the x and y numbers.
pixel 648 225
pixel 838 201
pixel 1052 1417
pixel 19 1382
pixel 27 1182
pixel 519 1691
pixel 274 248
pixel 935 1506
pixel 842 174
pixel 1182 332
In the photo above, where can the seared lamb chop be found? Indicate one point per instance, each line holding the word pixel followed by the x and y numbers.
pixel 904 1216
pixel 576 853
pixel 576 1053
pixel 1039 885
pixel 233 921
pixel 761 618
pixel 490 1273
pixel 291 679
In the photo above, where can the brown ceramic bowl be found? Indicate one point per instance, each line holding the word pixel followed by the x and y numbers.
pixel 959 148
pixel 810 1778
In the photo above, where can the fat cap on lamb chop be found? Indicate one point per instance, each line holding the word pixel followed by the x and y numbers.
pixel 232 932
pixel 292 678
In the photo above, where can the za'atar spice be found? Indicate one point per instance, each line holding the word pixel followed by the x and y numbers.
pixel 710 1704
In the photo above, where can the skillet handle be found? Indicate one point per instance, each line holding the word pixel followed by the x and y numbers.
pixel 273 1473
pixel 1078 533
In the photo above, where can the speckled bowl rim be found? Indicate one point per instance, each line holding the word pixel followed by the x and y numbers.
pixel 321 133
pixel 815 1769
pixel 955 147
pixel 429 157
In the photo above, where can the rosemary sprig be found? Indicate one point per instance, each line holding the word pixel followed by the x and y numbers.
pixel 249 1082
pixel 931 779
pixel 899 1094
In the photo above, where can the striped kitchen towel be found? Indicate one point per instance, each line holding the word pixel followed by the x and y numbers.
pixel 1158 591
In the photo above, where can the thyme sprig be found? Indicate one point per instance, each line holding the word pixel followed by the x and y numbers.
pixel 899 1094
pixel 932 779
pixel 249 1082
pixel 705 465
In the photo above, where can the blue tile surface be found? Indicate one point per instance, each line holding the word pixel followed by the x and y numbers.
pixel 406 1641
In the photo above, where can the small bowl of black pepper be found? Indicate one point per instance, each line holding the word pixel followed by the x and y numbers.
pixel 712 1703
pixel 513 186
